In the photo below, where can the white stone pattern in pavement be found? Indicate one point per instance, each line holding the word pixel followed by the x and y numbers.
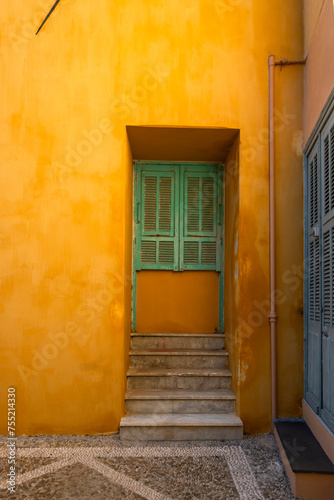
pixel 242 474
pixel 235 457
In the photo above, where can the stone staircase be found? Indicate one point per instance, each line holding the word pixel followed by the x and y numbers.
pixel 179 389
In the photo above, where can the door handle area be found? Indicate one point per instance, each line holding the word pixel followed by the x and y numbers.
pixel 325 333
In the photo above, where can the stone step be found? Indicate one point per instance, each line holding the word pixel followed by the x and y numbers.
pixel 179 389
pixel 176 427
pixel 153 401
pixel 177 341
pixel 178 358
pixel 179 378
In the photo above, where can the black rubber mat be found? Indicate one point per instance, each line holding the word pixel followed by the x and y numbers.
pixel 302 448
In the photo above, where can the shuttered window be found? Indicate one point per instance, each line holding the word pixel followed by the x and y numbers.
pixel 327 258
pixel 328 276
pixel 155 218
pixel 314 281
pixel 328 162
pixel 200 243
pixel 320 273
pixel 178 216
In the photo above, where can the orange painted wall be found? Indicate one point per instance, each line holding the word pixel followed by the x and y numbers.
pixel 170 301
pixel 233 328
pixel 319 71
pixel 312 10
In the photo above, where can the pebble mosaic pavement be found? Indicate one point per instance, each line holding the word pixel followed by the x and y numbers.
pixel 103 467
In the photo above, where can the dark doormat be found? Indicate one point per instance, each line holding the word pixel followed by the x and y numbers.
pixel 302 449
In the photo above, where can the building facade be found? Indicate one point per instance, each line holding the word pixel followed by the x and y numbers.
pixel 101 91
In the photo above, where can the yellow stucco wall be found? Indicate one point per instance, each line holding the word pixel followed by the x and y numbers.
pixel 66 188
pixel 233 324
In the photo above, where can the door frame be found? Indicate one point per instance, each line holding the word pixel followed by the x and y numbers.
pixel 222 216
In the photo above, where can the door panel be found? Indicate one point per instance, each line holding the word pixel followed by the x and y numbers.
pixel 327 156
pixel 178 302
pixel 201 219
pixel 314 357
pixel 155 218
pixel 314 285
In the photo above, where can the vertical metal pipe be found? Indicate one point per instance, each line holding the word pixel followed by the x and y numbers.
pixel 272 229
pixel 272 224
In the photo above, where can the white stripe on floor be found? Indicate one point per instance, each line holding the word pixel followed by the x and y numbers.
pixel 242 474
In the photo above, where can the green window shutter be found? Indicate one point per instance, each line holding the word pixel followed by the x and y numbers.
pixel 327 179
pixel 201 218
pixel 314 196
pixel 327 276
pixel 327 260
pixel 156 224
pixel 314 281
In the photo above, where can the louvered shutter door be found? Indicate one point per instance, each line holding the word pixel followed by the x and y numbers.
pixel 327 157
pixel 314 283
pixel 155 217
pixel 201 222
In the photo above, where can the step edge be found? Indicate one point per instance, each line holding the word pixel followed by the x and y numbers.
pixel 195 335
pixel 204 374
pixel 175 352
pixel 174 395
pixel 191 422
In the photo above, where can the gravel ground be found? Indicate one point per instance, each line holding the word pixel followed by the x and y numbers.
pixel 103 467
pixel 181 478
pixel 76 481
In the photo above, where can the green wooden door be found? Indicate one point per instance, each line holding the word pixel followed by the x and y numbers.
pixel 178 219
pixel 319 292
pixel 327 340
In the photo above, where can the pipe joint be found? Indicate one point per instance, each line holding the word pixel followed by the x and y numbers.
pixel 283 62
pixel 271 61
pixel 273 317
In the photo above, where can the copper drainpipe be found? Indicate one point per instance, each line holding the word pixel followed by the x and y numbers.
pixel 272 223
